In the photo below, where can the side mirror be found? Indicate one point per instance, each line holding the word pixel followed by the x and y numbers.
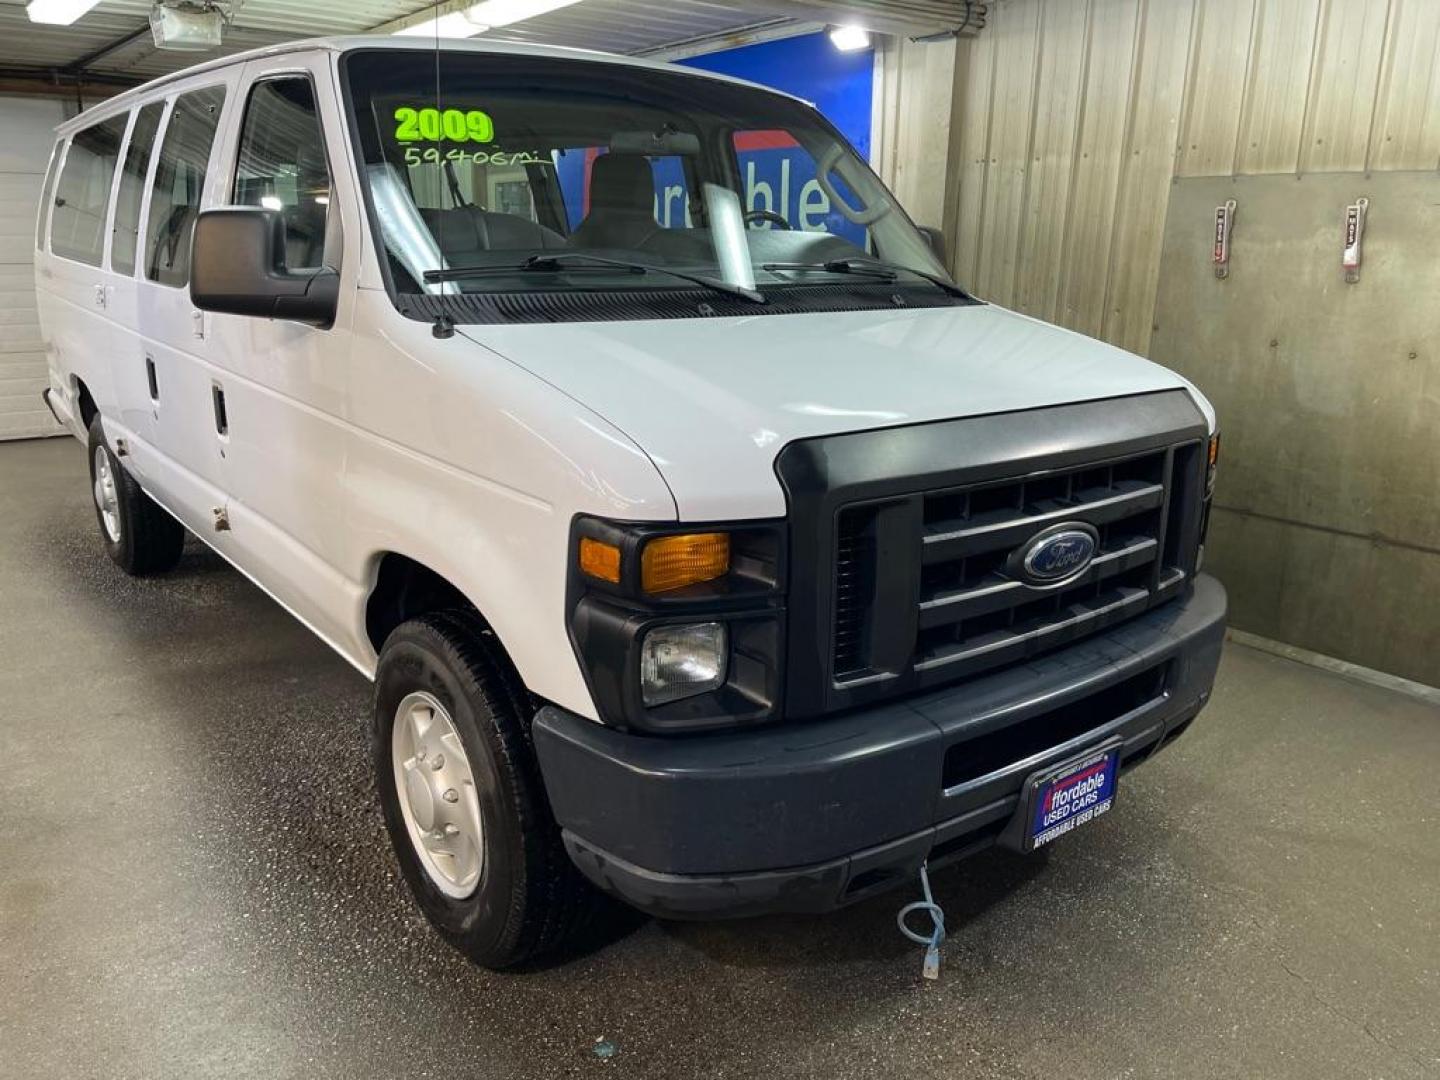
pixel 237 265
pixel 936 239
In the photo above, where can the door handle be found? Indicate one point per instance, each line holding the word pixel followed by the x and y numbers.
pixel 100 296
pixel 222 420
pixel 151 379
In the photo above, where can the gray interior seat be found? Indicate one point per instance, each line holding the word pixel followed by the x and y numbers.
pixel 466 230
pixel 622 204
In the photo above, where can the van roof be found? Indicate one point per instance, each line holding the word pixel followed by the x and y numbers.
pixel 353 42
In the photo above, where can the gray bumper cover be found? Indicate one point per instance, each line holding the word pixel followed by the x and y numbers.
pixel 811 816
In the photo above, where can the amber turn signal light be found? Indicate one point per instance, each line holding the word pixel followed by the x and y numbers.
pixel 672 562
pixel 600 560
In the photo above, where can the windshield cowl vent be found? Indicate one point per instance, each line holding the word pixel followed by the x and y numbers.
pixel 633 304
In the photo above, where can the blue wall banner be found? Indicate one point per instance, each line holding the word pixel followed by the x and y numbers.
pixel 839 83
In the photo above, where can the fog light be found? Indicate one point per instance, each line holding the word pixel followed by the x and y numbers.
pixel 682 661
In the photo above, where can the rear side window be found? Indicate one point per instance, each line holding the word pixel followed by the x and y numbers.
pixel 126 230
pixel 45 193
pixel 77 223
pixel 179 183
pixel 282 167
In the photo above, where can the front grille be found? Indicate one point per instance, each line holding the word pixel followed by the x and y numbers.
pixel 969 612
pixel 902 541
pixel 854 571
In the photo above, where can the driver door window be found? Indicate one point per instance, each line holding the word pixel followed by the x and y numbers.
pixel 281 165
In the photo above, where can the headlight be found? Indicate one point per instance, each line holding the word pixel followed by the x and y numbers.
pixel 679 627
pixel 682 661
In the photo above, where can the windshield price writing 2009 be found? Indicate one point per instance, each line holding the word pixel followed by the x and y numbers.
pixel 454 125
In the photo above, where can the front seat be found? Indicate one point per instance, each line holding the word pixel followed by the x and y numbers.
pixel 622 204
pixel 466 230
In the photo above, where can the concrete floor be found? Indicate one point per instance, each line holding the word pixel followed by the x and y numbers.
pixel 194 882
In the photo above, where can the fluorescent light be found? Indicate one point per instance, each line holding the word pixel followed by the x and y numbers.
pixel 271 202
pixel 505 12
pixel 850 38
pixel 455 25
pixel 479 18
pixel 58 12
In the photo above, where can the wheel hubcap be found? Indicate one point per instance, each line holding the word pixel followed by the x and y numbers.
pixel 438 800
pixel 107 500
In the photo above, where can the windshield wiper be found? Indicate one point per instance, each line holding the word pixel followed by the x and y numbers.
pixel 877 268
pixel 558 263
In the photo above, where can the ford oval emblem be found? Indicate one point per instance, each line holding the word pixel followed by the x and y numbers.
pixel 1058 553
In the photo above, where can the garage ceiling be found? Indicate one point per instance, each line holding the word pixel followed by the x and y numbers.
pixel 112 42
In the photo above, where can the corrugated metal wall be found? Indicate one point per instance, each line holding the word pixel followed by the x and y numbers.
pixel 1072 116
pixel 1079 126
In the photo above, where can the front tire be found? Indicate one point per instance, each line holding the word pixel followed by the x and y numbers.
pixel 463 799
pixel 139 536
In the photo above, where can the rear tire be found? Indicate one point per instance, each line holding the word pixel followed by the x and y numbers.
pixel 139 536
pixel 475 838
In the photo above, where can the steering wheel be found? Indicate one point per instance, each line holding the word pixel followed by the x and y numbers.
pixel 768 215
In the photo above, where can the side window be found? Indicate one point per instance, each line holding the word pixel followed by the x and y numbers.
pixel 77 225
pixel 281 164
pixel 125 237
pixel 179 183
pixel 780 176
pixel 45 193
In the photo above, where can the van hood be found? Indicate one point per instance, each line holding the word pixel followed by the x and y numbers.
pixel 714 401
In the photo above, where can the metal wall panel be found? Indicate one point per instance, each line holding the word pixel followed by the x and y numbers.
pixel 912 125
pixel 1327 394
pixel 1073 117
pixel 1146 168
pixel 1222 34
pixel 1344 85
pixel 1272 114
pixel 1012 112
pixel 1052 150
pixel 969 170
pixel 1106 97
pixel 1407 128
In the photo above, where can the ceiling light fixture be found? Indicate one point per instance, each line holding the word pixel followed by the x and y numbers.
pixel 850 38
pixel 480 17
pixel 58 12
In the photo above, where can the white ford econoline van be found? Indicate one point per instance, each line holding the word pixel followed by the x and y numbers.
pixel 705 543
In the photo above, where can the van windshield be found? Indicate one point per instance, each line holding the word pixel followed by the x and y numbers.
pixel 492 173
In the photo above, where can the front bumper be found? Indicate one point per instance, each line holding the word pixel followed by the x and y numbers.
pixel 811 816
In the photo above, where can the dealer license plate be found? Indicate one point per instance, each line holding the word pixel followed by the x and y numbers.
pixel 1070 795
